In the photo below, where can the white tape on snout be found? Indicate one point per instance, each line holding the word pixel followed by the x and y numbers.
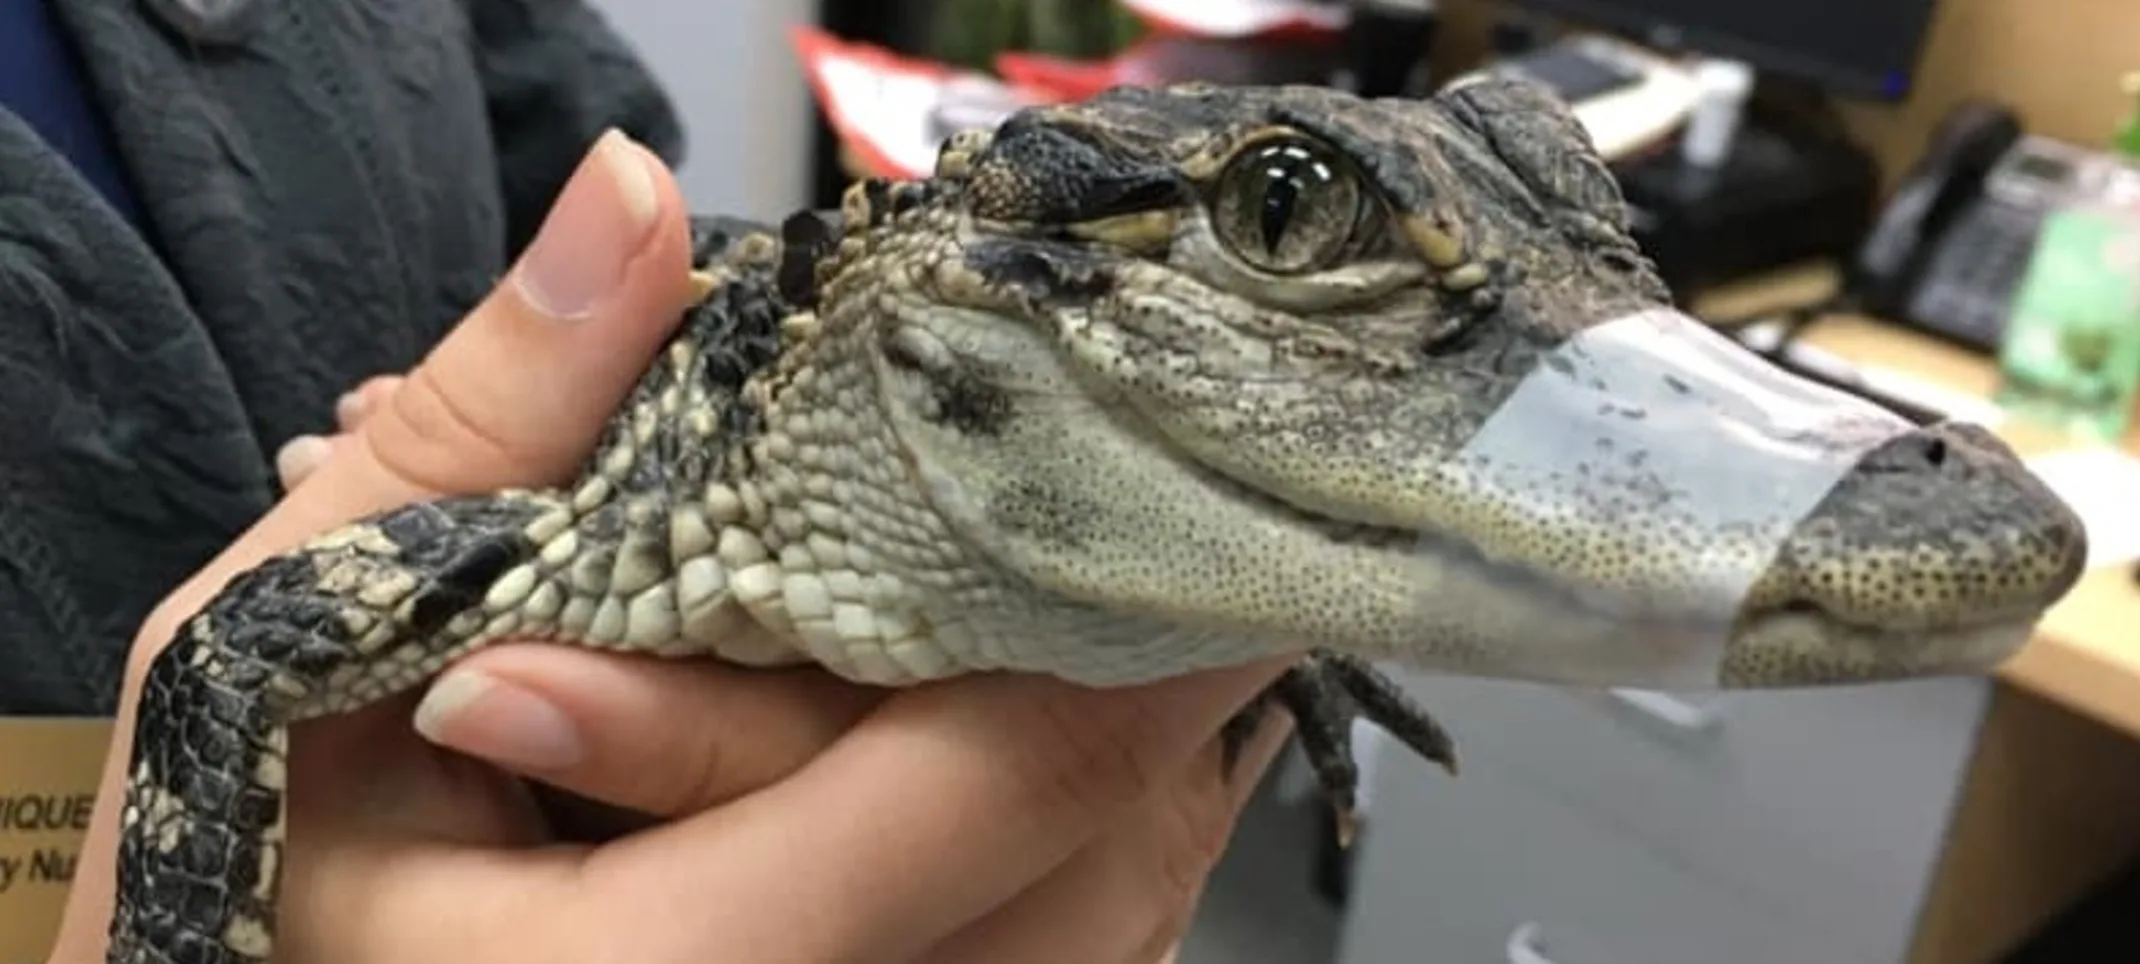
pixel 1702 456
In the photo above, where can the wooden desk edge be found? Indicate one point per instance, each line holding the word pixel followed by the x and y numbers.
pixel 2081 676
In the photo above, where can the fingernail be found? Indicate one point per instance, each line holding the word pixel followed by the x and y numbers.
pixel 599 222
pixel 485 717
pixel 349 407
pixel 299 456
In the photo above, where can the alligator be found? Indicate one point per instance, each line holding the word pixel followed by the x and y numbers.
pixel 1162 380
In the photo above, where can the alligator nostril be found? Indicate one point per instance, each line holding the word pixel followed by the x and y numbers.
pixel 1913 454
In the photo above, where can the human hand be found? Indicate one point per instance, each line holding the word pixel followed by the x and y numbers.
pixel 1001 818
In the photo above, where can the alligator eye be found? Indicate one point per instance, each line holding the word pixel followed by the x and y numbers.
pixel 1287 206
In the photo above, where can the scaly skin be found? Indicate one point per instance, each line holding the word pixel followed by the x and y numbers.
pixel 1103 399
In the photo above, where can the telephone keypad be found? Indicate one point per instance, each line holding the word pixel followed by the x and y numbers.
pixel 1970 283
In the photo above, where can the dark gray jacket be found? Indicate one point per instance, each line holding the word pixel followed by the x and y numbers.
pixel 328 185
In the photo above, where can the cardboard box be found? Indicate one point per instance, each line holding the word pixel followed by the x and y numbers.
pixel 48 786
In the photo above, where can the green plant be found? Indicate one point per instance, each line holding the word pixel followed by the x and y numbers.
pixel 970 33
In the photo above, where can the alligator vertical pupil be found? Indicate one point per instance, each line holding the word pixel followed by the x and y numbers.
pixel 1278 197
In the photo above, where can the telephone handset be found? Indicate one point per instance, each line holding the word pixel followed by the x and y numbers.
pixel 1935 193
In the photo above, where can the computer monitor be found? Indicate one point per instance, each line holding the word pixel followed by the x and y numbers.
pixel 1857 48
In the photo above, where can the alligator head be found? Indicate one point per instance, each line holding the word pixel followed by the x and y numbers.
pixel 1391 378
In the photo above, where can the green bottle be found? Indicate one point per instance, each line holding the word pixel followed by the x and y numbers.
pixel 2127 139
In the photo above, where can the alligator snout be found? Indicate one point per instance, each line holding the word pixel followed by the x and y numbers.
pixel 1935 554
pixel 1941 527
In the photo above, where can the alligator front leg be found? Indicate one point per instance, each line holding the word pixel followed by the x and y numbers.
pixel 354 616
pixel 1326 693
pixel 374 609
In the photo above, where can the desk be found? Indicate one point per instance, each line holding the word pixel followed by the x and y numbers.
pixel 2051 803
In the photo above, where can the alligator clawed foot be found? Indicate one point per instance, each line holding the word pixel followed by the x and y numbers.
pixel 1325 693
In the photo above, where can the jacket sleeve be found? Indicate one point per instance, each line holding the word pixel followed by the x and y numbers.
pixel 126 461
pixel 555 76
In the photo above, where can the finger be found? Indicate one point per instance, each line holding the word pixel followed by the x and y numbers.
pixel 783 875
pixel 353 408
pixel 972 790
pixel 301 456
pixel 668 738
pixel 1130 896
pixel 567 373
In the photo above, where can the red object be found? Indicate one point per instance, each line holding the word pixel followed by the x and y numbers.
pixel 893 123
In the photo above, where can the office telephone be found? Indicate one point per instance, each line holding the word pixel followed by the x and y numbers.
pixel 1951 247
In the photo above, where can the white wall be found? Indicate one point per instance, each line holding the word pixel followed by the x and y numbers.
pixel 732 73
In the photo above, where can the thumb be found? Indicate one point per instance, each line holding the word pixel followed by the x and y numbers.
pixel 518 392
